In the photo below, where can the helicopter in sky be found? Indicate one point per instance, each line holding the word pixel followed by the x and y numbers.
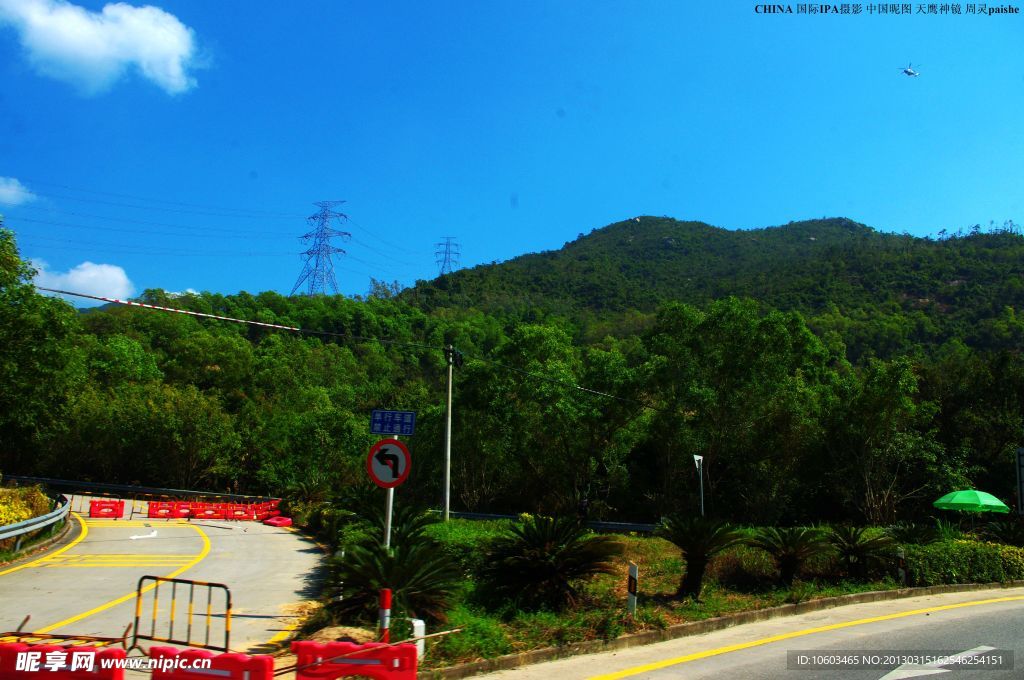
pixel 909 71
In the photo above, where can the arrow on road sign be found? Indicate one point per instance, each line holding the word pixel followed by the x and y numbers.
pixel 388 463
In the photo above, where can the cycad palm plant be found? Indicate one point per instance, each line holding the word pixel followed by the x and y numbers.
pixel 536 564
pixel 858 553
pixel 699 539
pixel 791 547
pixel 423 579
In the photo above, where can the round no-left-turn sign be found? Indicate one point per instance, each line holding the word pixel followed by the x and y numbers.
pixel 388 463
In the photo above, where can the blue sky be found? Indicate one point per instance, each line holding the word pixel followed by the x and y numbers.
pixel 182 145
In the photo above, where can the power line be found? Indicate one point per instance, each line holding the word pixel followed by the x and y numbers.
pixel 248 211
pixel 128 249
pixel 395 343
pixel 318 270
pixel 381 238
pixel 204 233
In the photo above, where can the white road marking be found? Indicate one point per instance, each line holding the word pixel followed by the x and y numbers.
pixel 151 534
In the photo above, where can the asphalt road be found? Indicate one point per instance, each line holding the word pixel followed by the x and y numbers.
pixel 959 623
pixel 87 585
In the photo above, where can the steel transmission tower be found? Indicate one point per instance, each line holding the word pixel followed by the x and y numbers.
pixel 318 272
pixel 447 255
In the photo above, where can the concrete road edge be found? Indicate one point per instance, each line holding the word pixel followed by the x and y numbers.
pixel 510 661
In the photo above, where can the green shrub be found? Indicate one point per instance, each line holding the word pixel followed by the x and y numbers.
pixel 1007 532
pixel 422 579
pixel 791 547
pixel 743 569
pixel 466 541
pixel 699 539
pixel 908 533
pixel 18 505
pixel 963 562
pixel 482 637
pixel 537 564
pixel 859 553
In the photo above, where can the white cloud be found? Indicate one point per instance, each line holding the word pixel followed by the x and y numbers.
pixel 93 49
pixel 13 192
pixel 106 280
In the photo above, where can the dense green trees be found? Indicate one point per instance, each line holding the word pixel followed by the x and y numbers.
pixel 846 414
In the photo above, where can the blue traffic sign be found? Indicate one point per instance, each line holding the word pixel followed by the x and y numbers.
pixel 392 422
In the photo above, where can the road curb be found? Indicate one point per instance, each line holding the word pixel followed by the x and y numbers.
pixel 648 637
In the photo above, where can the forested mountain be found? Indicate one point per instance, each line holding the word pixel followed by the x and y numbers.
pixel 881 294
pixel 824 371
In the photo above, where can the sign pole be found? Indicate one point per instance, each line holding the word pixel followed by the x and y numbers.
pixel 450 353
pixel 389 505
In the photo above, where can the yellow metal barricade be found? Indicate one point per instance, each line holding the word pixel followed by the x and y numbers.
pixel 162 629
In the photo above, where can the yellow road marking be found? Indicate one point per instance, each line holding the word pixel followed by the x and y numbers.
pixel 69 546
pixel 284 633
pixel 133 523
pixel 636 670
pixel 124 598
pixel 79 557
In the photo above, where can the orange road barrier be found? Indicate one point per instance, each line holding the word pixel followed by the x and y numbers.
pixel 109 509
pixel 164 509
pixel 328 661
pixel 207 510
pixel 226 666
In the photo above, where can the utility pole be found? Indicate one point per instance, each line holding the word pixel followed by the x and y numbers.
pixel 447 255
pixel 454 358
pixel 318 270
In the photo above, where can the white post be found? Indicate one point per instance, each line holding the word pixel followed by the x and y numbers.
pixel 419 629
pixel 388 506
pixel 632 587
pixel 699 462
pixel 387 517
pixel 450 354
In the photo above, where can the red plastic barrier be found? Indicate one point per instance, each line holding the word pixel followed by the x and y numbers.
pixel 207 510
pixel 279 521
pixel 182 510
pixel 163 509
pixel 52 662
pixel 372 660
pixel 106 508
pixel 227 666
pixel 237 511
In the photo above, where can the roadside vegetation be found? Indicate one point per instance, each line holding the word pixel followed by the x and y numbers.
pixel 18 505
pixel 535 582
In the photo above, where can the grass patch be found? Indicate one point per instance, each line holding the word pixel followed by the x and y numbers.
pixel 740 579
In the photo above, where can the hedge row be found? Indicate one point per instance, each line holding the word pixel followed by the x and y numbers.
pixel 963 562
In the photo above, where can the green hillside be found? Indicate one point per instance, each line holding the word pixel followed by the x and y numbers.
pixel 881 293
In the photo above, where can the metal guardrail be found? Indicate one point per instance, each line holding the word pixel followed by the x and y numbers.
pixel 20 529
pixel 597 525
pixel 128 491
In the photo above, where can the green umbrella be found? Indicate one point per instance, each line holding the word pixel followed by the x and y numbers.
pixel 971 501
